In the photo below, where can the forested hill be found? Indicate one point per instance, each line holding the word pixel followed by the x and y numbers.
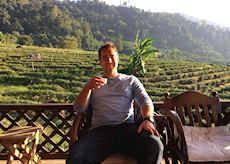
pixel 87 23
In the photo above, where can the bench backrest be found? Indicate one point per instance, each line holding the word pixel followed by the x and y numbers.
pixel 195 109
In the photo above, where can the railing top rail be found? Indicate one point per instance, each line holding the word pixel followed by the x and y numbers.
pixel 69 106
pixel 48 106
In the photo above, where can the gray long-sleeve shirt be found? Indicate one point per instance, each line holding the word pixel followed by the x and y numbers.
pixel 113 102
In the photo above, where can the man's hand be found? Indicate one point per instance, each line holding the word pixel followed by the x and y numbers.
pixel 149 127
pixel 96 82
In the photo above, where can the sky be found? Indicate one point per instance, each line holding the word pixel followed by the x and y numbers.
pixel 215 11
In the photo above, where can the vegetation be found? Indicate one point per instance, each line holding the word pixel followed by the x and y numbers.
pixel 87 23
pixel 142 51
pixel 61 73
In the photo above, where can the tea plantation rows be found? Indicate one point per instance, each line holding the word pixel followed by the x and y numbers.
pixel 61 73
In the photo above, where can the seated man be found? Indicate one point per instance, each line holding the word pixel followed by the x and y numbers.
pixel 113 128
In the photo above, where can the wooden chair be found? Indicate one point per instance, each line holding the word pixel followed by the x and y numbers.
pixel 21 143
pixel 82 123
pixel 192 112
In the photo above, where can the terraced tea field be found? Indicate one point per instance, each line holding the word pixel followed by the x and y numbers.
pixel 61 73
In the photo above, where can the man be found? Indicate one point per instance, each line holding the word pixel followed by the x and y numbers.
pixel 113 128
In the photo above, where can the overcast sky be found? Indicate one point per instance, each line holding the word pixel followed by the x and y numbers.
pixel 217 11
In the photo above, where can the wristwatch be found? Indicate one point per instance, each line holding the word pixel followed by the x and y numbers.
pixel 151 119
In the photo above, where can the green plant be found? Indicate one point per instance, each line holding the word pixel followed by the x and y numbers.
pixel 142 51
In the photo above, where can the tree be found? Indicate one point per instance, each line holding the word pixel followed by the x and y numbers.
pixel 11 39
pixel 142 51
pixel 54 12
pixel 25 40
pixel 69 42
pixel 42 39
pixel 89 43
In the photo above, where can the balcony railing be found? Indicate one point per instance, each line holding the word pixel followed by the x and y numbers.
pixel 57 120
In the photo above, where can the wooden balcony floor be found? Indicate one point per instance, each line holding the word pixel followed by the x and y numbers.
pixel 48 161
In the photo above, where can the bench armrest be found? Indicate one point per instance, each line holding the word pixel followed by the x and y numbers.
pixel 177 142
pixel 74 132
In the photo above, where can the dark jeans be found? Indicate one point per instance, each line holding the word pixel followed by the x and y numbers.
pixel 100 142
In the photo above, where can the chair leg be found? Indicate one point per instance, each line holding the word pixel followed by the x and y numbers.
pixel 10 159
pixel 31 153
pixel 175 161
pixel 35 157
pixel 167 161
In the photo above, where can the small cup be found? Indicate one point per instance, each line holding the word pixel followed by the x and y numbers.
pixel 105 81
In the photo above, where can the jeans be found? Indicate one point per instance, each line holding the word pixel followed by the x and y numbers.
pixel 100 142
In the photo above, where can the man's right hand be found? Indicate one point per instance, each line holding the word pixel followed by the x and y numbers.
pixel 96 82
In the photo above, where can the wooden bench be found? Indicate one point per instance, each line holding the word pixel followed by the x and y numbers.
pixel 191 114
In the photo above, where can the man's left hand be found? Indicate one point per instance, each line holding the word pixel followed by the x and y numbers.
pixel 149 127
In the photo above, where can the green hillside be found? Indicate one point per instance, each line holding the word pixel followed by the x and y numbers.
pixel 86 24
pixel 61 73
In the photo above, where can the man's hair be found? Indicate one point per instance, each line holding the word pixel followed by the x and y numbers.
pixel 105 46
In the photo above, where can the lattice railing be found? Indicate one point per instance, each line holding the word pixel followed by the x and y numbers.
pixel 57 120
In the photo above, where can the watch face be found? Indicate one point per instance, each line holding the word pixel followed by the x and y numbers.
pixel 149 119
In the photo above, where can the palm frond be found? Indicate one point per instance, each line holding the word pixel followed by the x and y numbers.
pixel 142 51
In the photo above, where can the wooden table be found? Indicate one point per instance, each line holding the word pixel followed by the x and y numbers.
pixel 22 143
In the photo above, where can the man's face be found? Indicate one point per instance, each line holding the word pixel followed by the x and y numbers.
pixel 109 59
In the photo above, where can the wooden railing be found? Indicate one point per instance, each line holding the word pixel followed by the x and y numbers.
pixel 57 120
